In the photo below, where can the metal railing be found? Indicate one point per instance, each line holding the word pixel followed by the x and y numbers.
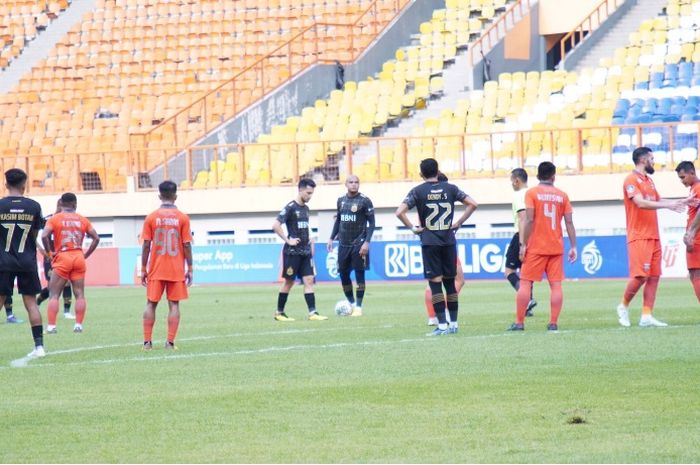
pixel 498 30
pixel 306 48
pixel 573 150
pixel 589 24
pixel 603 149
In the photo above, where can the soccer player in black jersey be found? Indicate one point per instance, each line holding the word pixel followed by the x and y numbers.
pixel 20 221
pixel 434 201
pixel 353 227
pixel 297 255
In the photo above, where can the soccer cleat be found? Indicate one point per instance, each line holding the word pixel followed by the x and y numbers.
pixel 314 316
pixel 14 320
pixel 648 321
pixel 552 327
pixel 530 305
pixel 282 317
pixel 68 316
pixel 453 330
pixel 356 311
pixel 623 316
pixel 432 321
pixel 78 328
pixel 147 346
pixel 51 330
pixel 170 346
pixel 439 332
pixel 38 352
pixel 516 327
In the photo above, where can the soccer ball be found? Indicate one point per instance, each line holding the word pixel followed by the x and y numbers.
pixel 343 308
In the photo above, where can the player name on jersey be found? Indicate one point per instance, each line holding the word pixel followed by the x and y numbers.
pixel 16 217
pixel 167 222
pixel 548 197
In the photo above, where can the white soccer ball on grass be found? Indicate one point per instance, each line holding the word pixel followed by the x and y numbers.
pixel 343 308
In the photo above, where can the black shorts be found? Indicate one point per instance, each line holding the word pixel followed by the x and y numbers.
pixel 47 269
pixel 297 266
pixel 349 258
pixel 439 260
pixel 513 253
pixel 27 282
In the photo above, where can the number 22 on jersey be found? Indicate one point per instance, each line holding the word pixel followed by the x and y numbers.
pixel 439 216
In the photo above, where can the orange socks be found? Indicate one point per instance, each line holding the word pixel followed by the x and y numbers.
pixel 429 303
pixel 633 286
pixel 148 329
pixel 80 309
pixel 521 300
pixel 52 311
pixel 173 323
pixel 556 300
pixel 650 294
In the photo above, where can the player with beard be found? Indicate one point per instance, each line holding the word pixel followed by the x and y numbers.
pixel 643 242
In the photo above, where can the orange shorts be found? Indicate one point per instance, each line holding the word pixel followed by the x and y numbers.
pixel 175 290
pixel 693 258
pixel 69 265
pixel 534 266
pixel 644 257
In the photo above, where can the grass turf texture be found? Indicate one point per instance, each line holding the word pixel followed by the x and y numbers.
pixel 244 388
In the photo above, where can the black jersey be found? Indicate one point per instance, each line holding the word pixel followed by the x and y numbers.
pixel 296 218
pixel 354 220
pixel 20 222
pixel 435 204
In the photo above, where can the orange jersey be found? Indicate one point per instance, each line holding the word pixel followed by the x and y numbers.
pixel 168 229
pixel 69 230
pixel 693 209
pixel 642 223
pixel 550 205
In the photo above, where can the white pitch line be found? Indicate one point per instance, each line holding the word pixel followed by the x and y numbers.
pixel 180 356
pixel 24 361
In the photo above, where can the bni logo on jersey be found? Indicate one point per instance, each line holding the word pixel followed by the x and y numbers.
pixel 591 258
pixel 332 262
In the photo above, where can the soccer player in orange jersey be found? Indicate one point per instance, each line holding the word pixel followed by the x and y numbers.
pixel 163 265
pixel 68 259
pixel 542 244
pixel 686 173
pixel 643 243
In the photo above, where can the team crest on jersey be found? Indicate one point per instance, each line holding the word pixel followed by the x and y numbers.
pixel 290 271
pixel 630 188
pixel 353 208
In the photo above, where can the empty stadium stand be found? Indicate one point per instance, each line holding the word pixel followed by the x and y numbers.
pixel 129 66
pixel 21 21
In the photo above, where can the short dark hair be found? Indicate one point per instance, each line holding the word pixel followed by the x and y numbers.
pixel 15 177
pixel 640 152
pixel 429 168
pixel 686 166
pixel 442 177
pixel 520 174
pixel 68 198
pixel 546 171
pixel 306 182
pixel 167 189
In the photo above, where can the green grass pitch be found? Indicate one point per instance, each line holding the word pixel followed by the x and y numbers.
pixel 244 388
